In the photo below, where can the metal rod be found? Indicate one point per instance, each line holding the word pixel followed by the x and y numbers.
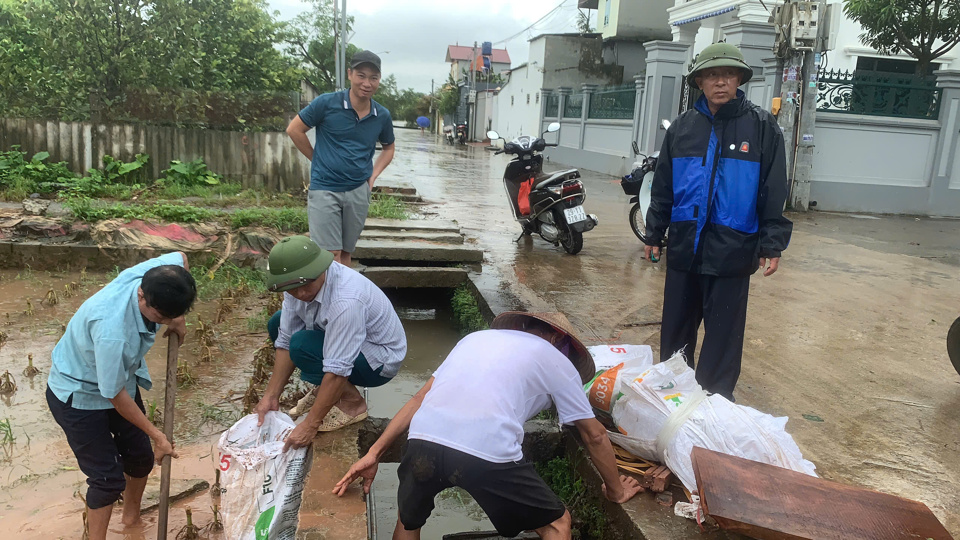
pixel 169 411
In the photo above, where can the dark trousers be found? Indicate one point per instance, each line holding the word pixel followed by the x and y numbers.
pixel 306 352
pixel 721 304
pixel 107 446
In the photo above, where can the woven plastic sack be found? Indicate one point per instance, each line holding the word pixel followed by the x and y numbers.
pixel 663 413
pixel 261 485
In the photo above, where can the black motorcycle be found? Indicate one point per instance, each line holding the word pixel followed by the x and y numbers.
pixel 638 184
pixel 550 205
pixel 462 133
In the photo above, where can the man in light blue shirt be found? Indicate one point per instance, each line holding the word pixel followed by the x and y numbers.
pixel 337 327
pixel 97 369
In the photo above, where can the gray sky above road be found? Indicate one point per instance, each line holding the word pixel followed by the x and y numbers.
pixel 416 32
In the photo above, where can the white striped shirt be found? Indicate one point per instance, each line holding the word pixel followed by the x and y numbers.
pixel 356 317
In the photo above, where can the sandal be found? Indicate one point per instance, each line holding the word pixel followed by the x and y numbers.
pixel 336 419
pixel 303 406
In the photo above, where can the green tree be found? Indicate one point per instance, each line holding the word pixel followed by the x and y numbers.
pixel 311 39
pixel 924 29
pixel 449 97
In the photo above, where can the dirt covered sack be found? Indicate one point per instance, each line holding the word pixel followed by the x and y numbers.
pixel 261 485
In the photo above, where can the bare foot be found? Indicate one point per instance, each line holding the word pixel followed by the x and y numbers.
pixel 134 523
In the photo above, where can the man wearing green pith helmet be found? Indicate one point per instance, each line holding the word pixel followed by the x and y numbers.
pixel 337 327
pixel 719 188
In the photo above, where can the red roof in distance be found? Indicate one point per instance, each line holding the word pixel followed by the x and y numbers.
pixel 461 52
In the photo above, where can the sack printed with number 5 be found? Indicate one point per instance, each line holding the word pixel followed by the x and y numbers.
pixel 614 363
pixel 261 485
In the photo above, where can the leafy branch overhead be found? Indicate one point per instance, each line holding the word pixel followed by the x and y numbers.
pixel 923 29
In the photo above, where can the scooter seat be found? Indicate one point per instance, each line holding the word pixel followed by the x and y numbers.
pixel 557 177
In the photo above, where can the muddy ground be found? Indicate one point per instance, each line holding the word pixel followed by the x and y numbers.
pixel 847 339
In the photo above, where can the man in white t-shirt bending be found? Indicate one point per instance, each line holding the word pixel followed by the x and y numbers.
pixel 466 427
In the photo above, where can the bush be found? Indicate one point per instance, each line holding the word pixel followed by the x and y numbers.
pixel 191 173
pixel 20 177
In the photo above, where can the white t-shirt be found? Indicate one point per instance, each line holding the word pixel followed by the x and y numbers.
pixel 490 384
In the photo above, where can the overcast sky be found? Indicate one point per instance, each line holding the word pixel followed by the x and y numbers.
pixel 416 32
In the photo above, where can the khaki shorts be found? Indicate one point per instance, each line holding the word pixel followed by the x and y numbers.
pixel 336 217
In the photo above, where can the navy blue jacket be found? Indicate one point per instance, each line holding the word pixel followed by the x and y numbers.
pixel 720 186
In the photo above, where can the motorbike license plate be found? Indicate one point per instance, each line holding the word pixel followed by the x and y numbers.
pixel 575 214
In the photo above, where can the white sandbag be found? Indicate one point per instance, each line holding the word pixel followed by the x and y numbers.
pixel 663 413
pixel 615 364
pixel 261 485
pixel 608 356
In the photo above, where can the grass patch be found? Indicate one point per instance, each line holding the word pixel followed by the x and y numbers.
pixel 283 219
pixel 228 277
pixel 466 311
pixel 258 322
pixel 182 191
pixel 387 207
pixel 561 475
pixel 91 211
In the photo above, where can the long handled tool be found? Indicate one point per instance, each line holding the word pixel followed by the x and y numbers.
pixel 169 410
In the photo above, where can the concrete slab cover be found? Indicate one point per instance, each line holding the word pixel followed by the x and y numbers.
pixel 439 225
pixel 428 236
pixel 405 277
pixel 415 251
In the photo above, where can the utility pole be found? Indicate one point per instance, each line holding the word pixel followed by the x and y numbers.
pixel 473 90
pixel 336 47
pixel 800 41
pixel 343 43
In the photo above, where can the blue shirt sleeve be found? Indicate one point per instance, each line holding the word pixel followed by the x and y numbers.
pixel 312 115
pixel 386 132
pixel 108 360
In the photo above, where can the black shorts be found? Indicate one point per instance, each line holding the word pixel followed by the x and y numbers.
pixel 513 495
pixel 107 446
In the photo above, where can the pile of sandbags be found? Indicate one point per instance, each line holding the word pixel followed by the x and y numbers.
pixel 662 413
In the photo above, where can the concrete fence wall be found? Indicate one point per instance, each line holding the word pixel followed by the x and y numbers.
pixel 267 159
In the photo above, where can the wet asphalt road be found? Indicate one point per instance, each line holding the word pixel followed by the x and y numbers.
pixel 851 330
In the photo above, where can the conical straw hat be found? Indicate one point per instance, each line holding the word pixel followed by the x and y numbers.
pixel 579 355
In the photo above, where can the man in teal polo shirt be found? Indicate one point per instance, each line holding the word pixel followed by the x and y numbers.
pixel 348 125
pixel 95 378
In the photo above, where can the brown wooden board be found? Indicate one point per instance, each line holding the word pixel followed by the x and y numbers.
pixel 772 503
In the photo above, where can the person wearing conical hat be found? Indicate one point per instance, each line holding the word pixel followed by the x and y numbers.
pixel 720 187
pixel 466 425
pixel 337 327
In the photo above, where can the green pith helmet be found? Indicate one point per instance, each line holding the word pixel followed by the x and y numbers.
pixel 294 262
pixel 720 55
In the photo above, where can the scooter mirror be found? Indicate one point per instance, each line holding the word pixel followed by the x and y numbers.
pixel 554 126
pixel 636 148
pixel 493 135
pixel 664 124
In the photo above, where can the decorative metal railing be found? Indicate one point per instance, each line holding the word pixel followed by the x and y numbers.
pixel 573 106
pixel 878 94
pixel 552 106
pixel 613 102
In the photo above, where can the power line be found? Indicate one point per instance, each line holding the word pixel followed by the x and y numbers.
pixel 518 34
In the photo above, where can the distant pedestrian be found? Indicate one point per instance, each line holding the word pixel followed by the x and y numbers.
pixel 348 126
pixel 466 424
pixel 720 187
pixel 97 371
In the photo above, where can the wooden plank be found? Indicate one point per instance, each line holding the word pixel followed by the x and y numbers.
pixel 772 503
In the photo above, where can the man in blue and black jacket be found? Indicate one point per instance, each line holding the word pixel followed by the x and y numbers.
pixel 719 187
